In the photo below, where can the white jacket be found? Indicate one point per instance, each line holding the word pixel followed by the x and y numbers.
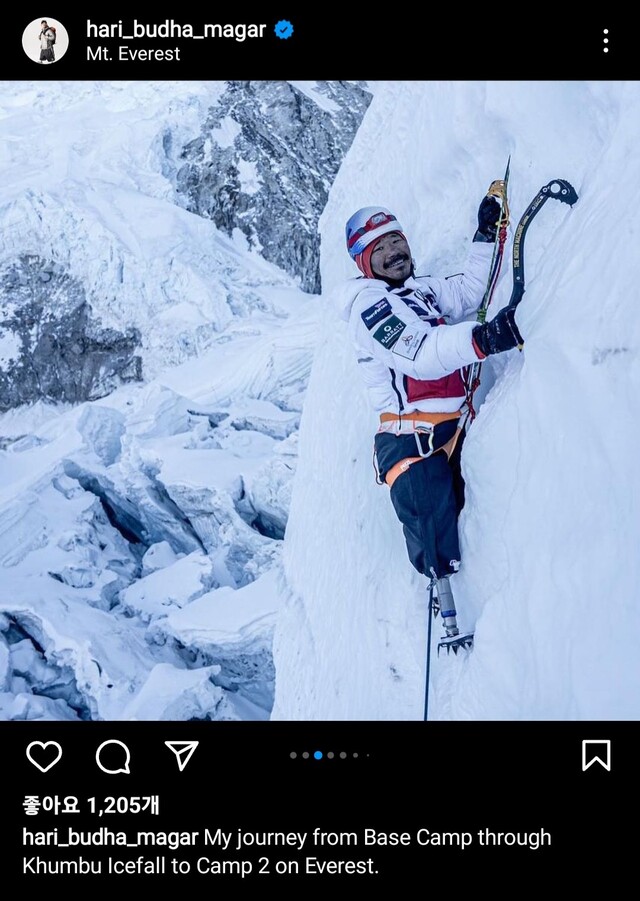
pixel 405 345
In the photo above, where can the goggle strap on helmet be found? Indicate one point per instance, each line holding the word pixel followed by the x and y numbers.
pixel 372 223
pixel 367 225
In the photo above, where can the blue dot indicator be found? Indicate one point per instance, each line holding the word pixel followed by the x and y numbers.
pixel 317 755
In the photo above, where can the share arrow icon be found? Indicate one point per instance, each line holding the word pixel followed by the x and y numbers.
pixel 183 751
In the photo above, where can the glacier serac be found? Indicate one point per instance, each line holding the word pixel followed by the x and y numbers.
pixel 152 373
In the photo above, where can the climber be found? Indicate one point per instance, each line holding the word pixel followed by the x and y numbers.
pixel 412 345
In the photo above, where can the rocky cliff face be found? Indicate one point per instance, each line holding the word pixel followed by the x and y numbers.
pixel 51 347
pixel 265 161
pixel 263 164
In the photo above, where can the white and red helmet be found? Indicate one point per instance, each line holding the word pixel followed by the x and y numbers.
pixel 363 230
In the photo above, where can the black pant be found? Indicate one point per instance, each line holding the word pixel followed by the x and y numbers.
pixel 427 499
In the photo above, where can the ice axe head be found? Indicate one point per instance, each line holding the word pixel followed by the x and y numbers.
pixel 560 189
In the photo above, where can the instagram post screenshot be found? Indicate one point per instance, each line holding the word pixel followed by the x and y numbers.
pixel 319 498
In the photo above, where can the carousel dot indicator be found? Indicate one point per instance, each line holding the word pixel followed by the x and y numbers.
pixel 317 755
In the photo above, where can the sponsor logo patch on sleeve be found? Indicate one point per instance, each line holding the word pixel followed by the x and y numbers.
pixel 373 315
pixel 409 344
pixel 388 333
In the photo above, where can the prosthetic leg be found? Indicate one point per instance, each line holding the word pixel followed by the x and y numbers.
pixel 445 605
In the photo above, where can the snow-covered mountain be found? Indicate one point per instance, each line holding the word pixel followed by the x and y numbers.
pixel 550 528
pixel 189 522
pixel 241 173
pixel 152 372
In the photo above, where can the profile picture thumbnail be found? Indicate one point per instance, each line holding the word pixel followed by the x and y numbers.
pixel 45 40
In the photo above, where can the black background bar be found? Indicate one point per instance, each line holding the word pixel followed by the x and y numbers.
pixel 352 44
pixel 524 778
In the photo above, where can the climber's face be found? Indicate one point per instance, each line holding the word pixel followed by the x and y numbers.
pixel 391 258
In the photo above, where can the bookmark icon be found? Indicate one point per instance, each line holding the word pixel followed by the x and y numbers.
pixel 596 751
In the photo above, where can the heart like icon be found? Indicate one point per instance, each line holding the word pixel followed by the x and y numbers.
pixel 42 750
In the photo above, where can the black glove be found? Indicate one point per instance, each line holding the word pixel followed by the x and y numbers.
pixel 498 335
pixel 488 216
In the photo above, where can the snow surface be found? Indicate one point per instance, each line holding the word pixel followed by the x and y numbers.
pixel 141 535
pixel 550 528
pixel 9 346
pixel 310 89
